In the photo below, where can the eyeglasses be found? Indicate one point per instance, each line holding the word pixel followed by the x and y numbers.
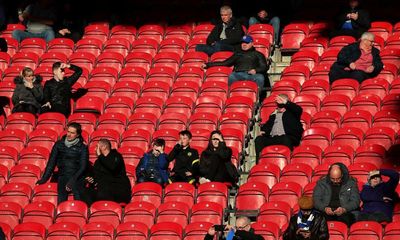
pixel 242 227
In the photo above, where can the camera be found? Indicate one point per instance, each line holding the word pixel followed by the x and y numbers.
pixel 219 228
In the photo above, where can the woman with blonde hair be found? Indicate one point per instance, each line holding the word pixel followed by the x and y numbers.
pixel 28 93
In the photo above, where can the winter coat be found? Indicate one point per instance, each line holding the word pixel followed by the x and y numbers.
pixel 349 196
pixel 213 163
pixel 233 32
pixel 32 96
pixel 361 25
pixel 318 229
pixel 162 168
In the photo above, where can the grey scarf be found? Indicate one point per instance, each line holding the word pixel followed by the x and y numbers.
pixel 69 144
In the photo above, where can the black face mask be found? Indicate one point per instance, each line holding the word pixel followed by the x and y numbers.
pixel 280 105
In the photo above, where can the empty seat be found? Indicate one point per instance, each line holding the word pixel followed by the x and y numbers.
pixel 275 154
pixel 29 231
pixel 366 102
pixel 131 230
pixel 16 192
pixel 278 212
pixel 360 171
pixel 370 153
pixel 328 119
pixel 213 192
pixel 287 192
pixel 10 213
pixel 97 230
pixel 66 230
pixel 197 230
pixel 296 172
pixel 383 136
pixel 180 192
pixel 268 230
pixel 72 211
pixel 319 136
pixel 210 212
pixel 250 197
pixel 337 230
pixel 307 154
pixel 338 153
pixel 106 211
pixel 176 212
pixel 147 192
pixel 357 118
pixel 387 118
pixel 349 136
pixel 143 212
pixel 166 231
pixel 299 73
pixel 45 192
pixel 365 230
pixel 25 173
pixel 39 212
pixel 292 35
pixel 336 102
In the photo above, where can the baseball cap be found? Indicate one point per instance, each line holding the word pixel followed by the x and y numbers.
pixel 247 39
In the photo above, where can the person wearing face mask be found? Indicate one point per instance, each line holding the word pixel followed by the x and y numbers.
pixel 214 160
pixel 307 223
pixel 70 155
pixel 379 197
pixel 28 93
pixel 153 166
pixel 336 195
pixel 186 160
pixel 283 126
pixel 57 91
pixel 225 36
pixel 359 61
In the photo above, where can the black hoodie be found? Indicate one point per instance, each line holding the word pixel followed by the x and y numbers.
pixel 32 96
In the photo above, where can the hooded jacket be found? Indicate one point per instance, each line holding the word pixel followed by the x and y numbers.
pixel 318 229
pixel 349 196
pixel 233 32
pixel 32 96
pixel 372 197
pixel 352 53
pixel 244 61
pixel 362 24
pixel 213 163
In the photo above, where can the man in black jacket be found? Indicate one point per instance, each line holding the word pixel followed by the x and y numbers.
pixel 70 155
pixel 249 64
pixel 225 36
pixel 186 159
pixel 283 126
pixel 307 224
pixel 358 60
pixel 353 21
pixel 241 231
pixel 57 91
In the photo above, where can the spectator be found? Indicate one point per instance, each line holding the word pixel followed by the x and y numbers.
pixel 264 17
pixel 225 36
pixel 214 160
pixel 241 230
pixel 379 197
pixel 283 126
pixel 70 155
pixel 28 93
pixel 337 196
pixel 40 18
pixel 353 21
pixel 57 91
pixel 70 25
pixel 249 64
pixel 358 60
pixel 186 158
pixel 153 166
pixel 3 45
pixel 307 224
pixel 109 175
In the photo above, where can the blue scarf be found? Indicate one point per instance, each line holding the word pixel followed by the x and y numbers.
pixel 304 225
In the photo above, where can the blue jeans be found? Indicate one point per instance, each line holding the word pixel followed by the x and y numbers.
pixel 20 35
pixel 237 76
pixel 276 24
pixel 217 47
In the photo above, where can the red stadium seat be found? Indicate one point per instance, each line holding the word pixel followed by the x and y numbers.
pixel 390 55
pixel 307 154
pixel 15 138
pixel 202 30
pixel 384 136
pixel 250 197
pixel 25 173
pixel 329 56
pixel 177 212
pixel 296 72
pixel 21 120
pixel 42 138
pixel 89 45
pixel 203 120
pixel 305 58
pixel 63 45
pixel 112 60
pixel 88 121
pixel 329 119
pixel 10 213
pixel 183 32
pixel 245 89
pixel 67 230
pixel 373 153
pixel 4 60
pixel 83 59
pixel 240 104
pixel 105 211
pixel 349 136
pixel 115 121
pixel 357 118
pixel 215 88
pixel 167 59
pixel 236 120
pixel 145 45
pixel 51 120
pixel 360 171
pixel 141 60
pixel 151 31
pixel 97 230
pixel 390 102
pixel 292 35
pixel 392 231
pixel 265 31
pixel 288 87
pixel 275 211
pixel 33 45
pixel 180 192
pixel 337 230
pixel 287 192
pixel 319 136
pixel 387 118
pixel 296 172
pixel 39 212
pixel 268 230
pixel 89 104
pixel 218 73
pixel 194 59
pixel 47 59
pixel 29 231
pixel 117 45
pixel 173 45
pixel 143 212
pixel 123 32
pixel 381 29
pixel 97 31
pixel 166 231
pixel 321 72
pixel 262 45
pixel 340 41
pixel 9 157
pixel 128 89
pixel 45 192
pixel 275 154
pixel 308 189
pixel 338 153
pixel 366 102
pixel 140 138
pixel 336 102
pixel 348 87
pixel 131 231
pixel 210 212
pixel 314 44
pixel 197 230
pixel 365 230
pixel 72 211
pixel 119 105
pixel 170 136
pixel 309 103
pixel 19 193
pixel 376 86
pixel 147 192
pixel 6 230
pixel 213 192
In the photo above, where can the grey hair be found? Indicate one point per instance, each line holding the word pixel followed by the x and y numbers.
pixel 282 95
pixel 368 36
pixel 226 8
pixel 105 142
pixel 246 219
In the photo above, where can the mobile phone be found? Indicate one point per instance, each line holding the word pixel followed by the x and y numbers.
pixel 219 228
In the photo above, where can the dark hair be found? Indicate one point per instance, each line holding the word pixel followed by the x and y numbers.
pixel 210 145
pixel 159 142
pixel 77 126
pixel 186 133
pixel 56 66
pixel 105 142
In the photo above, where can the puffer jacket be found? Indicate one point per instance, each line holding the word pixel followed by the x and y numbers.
pixel 318 229
pixel 244 61
pixel 32 96
pixel 71 162
pixel 349 195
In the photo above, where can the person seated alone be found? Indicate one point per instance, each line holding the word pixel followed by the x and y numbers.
pixel 249 64
pixel 40 17
pixel 352 21
pixel 379 197
pixel 336 195
pixel 241 230
pixel 308 223
pixel 186 159
pixel 283 126
pixel 108 176
pixel 28 93
pixel 153 166
pixel 264 17
pixel 225 36
pixel 359 61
